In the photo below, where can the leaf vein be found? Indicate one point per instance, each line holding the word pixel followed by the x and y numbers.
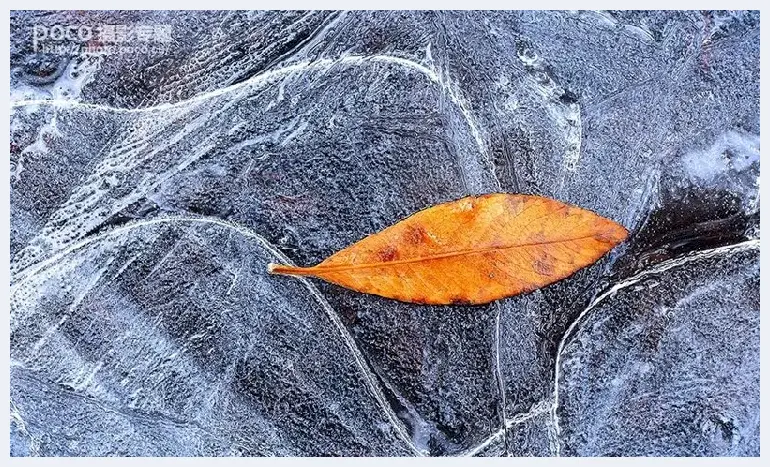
pixel 450 254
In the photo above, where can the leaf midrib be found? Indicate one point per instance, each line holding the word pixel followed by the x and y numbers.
pixel 347 267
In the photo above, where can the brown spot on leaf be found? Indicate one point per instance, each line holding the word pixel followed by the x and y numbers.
pixel 515 205
pixel 416 235
pixel 612 236
pixel 460 301
pixel 543 265
pixel 387 254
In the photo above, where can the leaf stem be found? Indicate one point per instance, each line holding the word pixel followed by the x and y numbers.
pixel 288 270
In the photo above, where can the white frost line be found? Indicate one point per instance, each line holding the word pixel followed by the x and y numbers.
pixel 280 72
pixel 454 97
pixel 362 366
pixel 537 409
pixel 333 316
pixel 577 139
pixel 498 367
pixel 34 444
pixel 255 80
pixel 262 77
pixel 658 268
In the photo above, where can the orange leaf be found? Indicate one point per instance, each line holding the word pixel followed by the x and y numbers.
pixel 471 251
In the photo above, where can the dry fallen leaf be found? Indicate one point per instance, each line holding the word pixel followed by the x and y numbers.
pixel 471 251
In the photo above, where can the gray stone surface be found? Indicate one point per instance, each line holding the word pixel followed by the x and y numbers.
pixel 150 190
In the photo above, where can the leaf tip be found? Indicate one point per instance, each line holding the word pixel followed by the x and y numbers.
pixel 623 233
pixel 615 233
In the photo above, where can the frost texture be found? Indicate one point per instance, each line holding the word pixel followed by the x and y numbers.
pixel 148 197
pixel 653 363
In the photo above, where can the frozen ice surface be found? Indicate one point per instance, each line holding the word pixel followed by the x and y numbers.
pixel 653 371
pixel 158 343
pixel 149 191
